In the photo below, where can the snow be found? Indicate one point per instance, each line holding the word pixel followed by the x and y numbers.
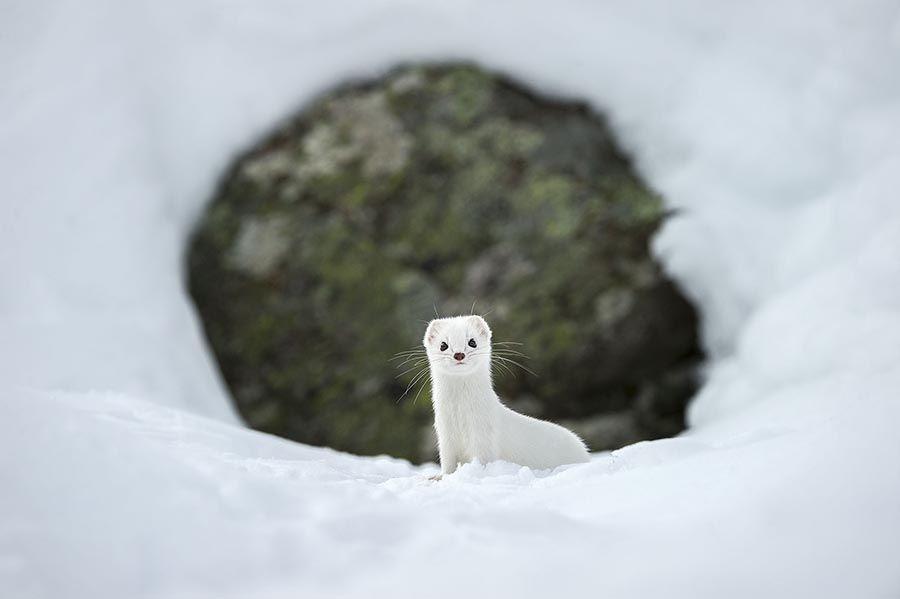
pixel 771 128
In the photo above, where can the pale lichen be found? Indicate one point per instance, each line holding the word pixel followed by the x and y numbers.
pixel 260 245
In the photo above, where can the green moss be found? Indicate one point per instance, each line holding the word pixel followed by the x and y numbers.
pixel 468 91
pixel 508 139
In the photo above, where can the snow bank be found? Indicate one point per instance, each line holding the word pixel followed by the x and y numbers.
pixel 117 498
pixel 770 127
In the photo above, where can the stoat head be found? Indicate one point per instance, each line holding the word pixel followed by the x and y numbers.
pixel 459 345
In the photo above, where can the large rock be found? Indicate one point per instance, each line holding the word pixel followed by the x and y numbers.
pixel 330 243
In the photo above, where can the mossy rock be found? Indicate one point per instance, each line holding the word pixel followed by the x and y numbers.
pixel 330 243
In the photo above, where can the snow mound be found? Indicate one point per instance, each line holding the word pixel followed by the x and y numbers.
pixel 769 127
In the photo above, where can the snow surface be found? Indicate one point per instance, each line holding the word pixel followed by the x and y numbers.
pixel 771 127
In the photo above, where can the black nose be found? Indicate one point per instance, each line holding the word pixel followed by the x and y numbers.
pixel 459 356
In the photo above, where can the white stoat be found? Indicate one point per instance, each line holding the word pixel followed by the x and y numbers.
pixel 470 421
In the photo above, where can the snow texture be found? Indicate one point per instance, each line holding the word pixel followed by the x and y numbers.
pixel 771 127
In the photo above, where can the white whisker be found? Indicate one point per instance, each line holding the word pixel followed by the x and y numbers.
pixel 411 368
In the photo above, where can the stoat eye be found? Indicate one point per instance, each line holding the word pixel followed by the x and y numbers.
pixel 472 343
pixel 443 346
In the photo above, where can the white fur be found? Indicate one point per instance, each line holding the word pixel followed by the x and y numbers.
pixel 471 422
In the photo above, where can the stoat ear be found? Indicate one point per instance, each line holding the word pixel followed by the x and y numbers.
pixel 431 333
pixel 480 325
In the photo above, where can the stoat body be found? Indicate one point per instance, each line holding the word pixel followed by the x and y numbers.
pixel 470 421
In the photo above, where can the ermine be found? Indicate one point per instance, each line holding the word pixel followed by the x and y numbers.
pixel 471 422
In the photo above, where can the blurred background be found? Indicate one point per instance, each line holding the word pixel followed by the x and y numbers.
pixel 218 212
pixel 440 188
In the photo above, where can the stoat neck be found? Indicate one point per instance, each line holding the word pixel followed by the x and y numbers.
pixel 475 386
